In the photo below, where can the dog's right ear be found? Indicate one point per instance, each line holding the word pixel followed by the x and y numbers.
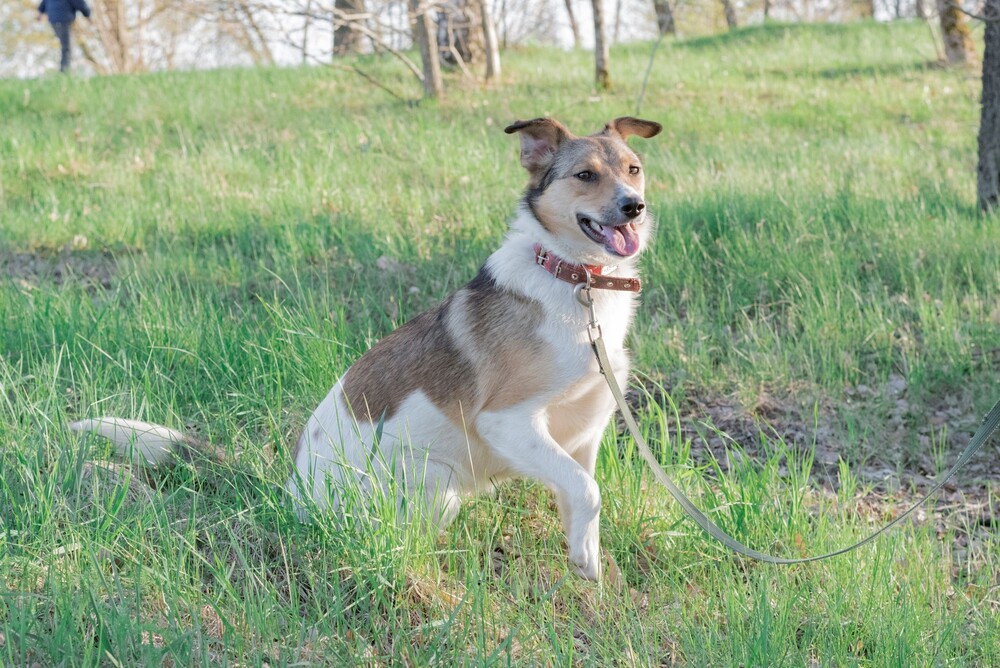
pixel 540 137
pixel 626 126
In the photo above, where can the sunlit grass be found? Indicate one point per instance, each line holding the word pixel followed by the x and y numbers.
pixel 814 187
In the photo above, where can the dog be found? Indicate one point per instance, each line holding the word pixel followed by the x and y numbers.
pixel 499 380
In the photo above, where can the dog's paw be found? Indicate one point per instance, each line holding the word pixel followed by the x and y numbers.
pixel 586 557
pixel 588 569
pixel 584 534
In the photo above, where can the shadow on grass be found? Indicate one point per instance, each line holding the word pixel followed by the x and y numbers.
pixel 866 71
pixel 772 31
pixel 874 70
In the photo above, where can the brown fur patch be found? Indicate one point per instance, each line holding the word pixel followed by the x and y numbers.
pixel 479 349
pixel 418 355
pixel 512 361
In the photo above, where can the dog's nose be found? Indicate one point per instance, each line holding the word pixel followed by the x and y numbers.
pixel 633 207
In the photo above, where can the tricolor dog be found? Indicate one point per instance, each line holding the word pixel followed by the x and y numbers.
pixel 499 380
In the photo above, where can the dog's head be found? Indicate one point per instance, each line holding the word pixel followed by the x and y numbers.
pixel 587 192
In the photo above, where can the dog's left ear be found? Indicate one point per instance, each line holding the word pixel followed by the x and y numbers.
pixel 626 126
pixel 540 137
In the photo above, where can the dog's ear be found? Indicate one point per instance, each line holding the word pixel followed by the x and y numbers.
pixel 540 137
pixel 626 126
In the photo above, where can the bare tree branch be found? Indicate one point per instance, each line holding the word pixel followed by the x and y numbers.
pixel 357 22
pixel 375 82
pixel 978 17
pixel 460 62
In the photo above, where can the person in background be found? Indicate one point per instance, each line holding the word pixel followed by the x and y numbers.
pixel 61 15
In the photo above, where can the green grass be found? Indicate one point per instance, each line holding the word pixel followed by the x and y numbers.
pixel 814 187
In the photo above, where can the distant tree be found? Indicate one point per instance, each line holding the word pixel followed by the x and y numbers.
pixel 988 187
pixel 866 8
pixel 459 32
pixel 730 12
pixel 616 32
pixel 491 45
pixel 602 55
pixel 520 21
pixel 240 20
pixel 346 35
pixel 665 23
pixel 573 25
pixel 109 42
pixel 467 34
pixel 958 46
pixel 425 37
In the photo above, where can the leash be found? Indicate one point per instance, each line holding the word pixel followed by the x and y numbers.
pixel 582 293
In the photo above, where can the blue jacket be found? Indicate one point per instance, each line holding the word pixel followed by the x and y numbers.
pixel 63 11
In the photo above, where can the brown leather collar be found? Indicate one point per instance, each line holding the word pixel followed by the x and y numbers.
pixel 576 274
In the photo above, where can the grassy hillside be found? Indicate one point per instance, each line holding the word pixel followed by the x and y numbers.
pixel 819 333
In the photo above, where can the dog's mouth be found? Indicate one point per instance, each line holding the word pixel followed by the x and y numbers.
pixel 621 240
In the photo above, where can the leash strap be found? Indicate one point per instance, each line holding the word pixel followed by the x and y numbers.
pixel 986 429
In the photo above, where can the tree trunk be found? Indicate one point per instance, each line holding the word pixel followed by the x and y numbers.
pixel 346 39
pixel 665 17
pixel 425 36
pixel 767 9
pixel 490 44
pixel 138 48
pixel 573 25
pixel 122 36
pixel 920 9
pixel 988 187
pixel 305 32
pixel 112 46
pixel 618 22
pixel 958 46
pixel 460 33
pixel 602 56
pixel 730 12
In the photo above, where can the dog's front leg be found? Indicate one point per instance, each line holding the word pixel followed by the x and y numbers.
pixel 522 440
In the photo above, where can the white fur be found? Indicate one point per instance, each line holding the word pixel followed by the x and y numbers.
pixel 154 443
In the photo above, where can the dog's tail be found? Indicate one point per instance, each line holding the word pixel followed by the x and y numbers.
pixel 157 445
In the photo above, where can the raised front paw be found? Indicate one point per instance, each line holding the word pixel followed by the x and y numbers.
pixel 585 555
pixel 587 567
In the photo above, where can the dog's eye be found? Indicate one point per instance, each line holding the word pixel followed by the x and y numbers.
pixel 633 170
pixel 585 175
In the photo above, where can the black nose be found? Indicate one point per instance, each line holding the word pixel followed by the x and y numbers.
pixel 633 207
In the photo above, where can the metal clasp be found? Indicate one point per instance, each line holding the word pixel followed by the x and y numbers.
pixel 586 299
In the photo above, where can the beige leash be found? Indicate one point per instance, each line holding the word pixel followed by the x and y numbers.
pixel 583 295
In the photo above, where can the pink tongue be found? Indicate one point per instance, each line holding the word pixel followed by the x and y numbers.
pixel 623 240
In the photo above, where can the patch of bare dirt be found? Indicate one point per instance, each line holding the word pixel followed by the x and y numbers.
pixel 895 444
pixel 890 440
pixel 74 263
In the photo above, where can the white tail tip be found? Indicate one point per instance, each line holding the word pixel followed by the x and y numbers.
pixel 156 444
